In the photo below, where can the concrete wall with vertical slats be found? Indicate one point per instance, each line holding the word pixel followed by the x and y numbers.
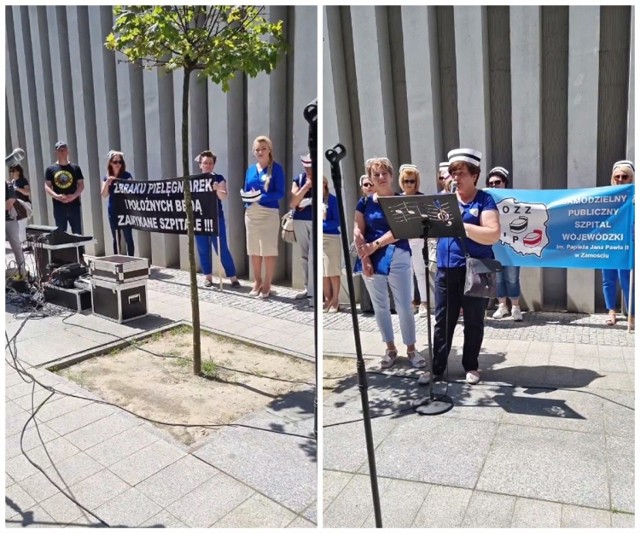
pixel 545 91
pixel 62 84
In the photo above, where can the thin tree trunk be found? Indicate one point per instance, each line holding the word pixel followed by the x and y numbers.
pixel 195 307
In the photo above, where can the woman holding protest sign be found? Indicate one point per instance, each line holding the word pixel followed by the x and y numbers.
pixel 263 189
pixel 116 169
pixel 207 161
pixel 623 173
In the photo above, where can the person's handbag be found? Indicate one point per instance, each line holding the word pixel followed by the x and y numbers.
pixel 288 235
pixel 480 280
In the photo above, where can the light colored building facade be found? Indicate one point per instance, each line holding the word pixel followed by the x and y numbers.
pixel 63 84
pixel 546 92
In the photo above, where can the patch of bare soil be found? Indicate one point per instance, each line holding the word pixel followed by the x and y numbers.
pixel 155 379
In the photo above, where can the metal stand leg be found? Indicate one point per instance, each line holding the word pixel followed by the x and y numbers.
pixel 433 404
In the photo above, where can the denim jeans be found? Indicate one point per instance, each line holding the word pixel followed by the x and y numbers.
pixel 419 268
pixel 206 242
pixel 127 232
pixel 68 213
pixel 450 299
pixel 610 287
pixel 400 280
pixel 508 282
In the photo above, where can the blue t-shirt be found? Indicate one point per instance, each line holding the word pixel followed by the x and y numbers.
pixel 305 213
pixel 255 179
pixel 331 223
pixel 450 252
pixel 219 178
pixel 125 176
pixel 375 226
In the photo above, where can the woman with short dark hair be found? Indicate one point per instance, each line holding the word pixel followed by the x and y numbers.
pixel 482 228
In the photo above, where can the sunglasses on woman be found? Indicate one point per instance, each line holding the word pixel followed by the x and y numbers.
pixel 367 184
pixel 495 183
pixel 622 178
pixel 116 162
pixel 410 182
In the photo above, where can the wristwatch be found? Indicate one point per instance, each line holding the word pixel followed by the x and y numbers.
pixel 377 243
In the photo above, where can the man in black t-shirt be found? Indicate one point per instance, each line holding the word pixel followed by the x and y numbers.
pixel 64 182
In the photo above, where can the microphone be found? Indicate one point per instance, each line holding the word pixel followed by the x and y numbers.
pixel 454 187
pixel 15 156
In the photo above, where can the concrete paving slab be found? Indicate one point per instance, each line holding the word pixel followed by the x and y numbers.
pixel 52 452
pixel 74 469
pixel 623 520
pixel 583 517
pixel 618 413
pixel 35 516
pixel 146 462
pixel 333 483
pixel 354 505
pixel 122 445
pixel 80 417
pixel 101 430
pixel 128 509
pixel 164 519
pixel 16 501
pixel 463 443
pixel 32 438
pixel 257 512
pixel 64 511
pixel 19 468
pixel 489 510
pixel 444 507
pixel 536 514
pixel 399 503
pixel 621 460
pixel 345 446
pixel 209 502
pixel 279 466
pixel 176 480
pixel 547 464
pixel 299 523
pixel 38 487
pixel 98 489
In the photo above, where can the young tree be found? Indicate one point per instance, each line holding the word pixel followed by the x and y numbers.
pixel 215 41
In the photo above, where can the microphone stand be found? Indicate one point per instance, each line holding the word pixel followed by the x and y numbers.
pixel 432 404
pixel 311 116
pixel 334 155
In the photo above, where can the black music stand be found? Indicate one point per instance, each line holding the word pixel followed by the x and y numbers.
pixel 421 216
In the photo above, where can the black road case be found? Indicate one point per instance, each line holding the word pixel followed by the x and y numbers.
pixel 119 268
pixel 120 302
pixel 72 298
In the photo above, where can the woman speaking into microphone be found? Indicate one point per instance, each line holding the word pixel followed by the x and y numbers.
pixel 482 228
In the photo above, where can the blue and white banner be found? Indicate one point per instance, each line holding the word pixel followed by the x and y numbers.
pixel 567 228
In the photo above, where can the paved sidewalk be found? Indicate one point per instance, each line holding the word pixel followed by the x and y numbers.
pixel 130 473
pixel 545 440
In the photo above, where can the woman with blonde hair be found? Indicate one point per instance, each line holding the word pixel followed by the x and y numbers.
pixel 386 262
pixel 331 249
pixel 409 180
pixel 623 173
pixel 116 169
pixel 263 189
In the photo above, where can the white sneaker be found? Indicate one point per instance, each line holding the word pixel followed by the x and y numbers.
pixel 516 313
pixel 301 295
pixel 501 312
pixel 423 311
pixel 473 377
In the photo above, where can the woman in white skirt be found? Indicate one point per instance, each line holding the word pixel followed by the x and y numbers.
pixel 331 259
pixel 263 189
pixel 409 179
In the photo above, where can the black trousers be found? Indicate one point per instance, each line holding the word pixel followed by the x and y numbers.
pixel 449 300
